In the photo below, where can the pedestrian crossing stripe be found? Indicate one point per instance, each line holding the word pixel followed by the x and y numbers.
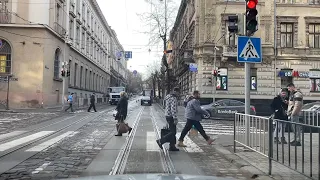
pixel 249 51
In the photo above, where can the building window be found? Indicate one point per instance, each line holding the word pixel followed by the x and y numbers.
pixel 315 85
pixel 222 79
pixel 81 80
pixel 56 64
pixel 83 12
pixel 71 29
pixel 75 74
pixel 58 14
pixel 83 43
pixel 90 80
pixel 314 35
pixel 78 35
pixel 69 78
pixel 87 44
pixel 314 1
pixel 5 58
pixel 253 80
pixel 85 79
pixel 286 31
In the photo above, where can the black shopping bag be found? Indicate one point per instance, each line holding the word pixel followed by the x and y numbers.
pixel 164 131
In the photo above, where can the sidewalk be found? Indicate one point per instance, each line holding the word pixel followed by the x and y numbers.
pixel 49 109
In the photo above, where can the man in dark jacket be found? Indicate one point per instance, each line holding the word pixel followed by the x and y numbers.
pixel 193 114
pixel 171 110
pixel 279 106
pixel 92 102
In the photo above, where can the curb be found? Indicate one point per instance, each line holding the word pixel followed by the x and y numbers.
pixel 243 165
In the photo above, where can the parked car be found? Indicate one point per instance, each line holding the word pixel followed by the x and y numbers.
pixel 225 109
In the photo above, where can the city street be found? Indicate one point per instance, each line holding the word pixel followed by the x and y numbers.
pixel 83 144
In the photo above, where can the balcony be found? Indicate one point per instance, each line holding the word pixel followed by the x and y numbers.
pixel 229 51
pixel 5 17
pixel 59 29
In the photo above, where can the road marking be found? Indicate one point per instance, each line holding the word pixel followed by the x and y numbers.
pixel 17 142
pixel 49 143
pixel 11 134
pixel 41 168
pixel 223 129
pixel 191 146
pixel 152 145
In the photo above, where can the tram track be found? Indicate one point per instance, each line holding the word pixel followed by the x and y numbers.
pixel 120 164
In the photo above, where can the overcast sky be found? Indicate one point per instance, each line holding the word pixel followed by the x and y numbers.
pixel 122 17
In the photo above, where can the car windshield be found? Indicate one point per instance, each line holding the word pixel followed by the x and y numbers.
pixel 116 90
pixel 69 69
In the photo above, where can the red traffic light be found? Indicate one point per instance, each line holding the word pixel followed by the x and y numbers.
pixel 251 4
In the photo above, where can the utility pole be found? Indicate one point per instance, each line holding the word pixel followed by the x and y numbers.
pixel 275 46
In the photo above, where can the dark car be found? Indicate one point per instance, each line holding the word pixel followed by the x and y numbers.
pixel 226 108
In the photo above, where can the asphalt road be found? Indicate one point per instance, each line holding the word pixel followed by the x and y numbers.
pixel 83 144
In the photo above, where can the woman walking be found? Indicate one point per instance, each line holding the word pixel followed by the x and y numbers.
pixel 279 106
pixel 122 111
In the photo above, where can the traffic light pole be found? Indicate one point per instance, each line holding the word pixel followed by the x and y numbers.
pixel 64 77
pixel 214 80
pixel 247 85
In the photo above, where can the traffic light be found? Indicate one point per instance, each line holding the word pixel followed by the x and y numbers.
pixel 68 73
pixel 236 24
pixel 251 17
pixel 63 73
pixel 216 73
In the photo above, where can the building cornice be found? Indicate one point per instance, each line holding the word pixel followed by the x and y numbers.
pixel 182 8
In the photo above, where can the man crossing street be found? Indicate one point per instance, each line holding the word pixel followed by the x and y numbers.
pixel 92 103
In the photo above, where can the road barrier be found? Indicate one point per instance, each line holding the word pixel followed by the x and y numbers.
pixel 259 134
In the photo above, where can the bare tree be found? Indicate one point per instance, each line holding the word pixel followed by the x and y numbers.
pixel 160 20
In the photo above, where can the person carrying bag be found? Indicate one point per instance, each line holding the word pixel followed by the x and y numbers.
pixel 121 115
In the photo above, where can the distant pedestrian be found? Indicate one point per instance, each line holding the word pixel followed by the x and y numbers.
pixel 70 102
pixel 193 114
pixel 294 109
pixel 171 110
pixel 122 111
pixel 92 102
pixel 279 107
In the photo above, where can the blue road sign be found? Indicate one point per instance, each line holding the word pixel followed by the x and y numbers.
pixel 135 72
pixel 193 67
pixel 249 49
pixel 128 55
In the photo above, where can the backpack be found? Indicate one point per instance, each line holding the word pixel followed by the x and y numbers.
pixel 187 99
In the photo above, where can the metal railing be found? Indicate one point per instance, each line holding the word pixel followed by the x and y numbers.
pixel 272 138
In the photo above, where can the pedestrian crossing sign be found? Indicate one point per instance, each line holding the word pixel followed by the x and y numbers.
pixel 249 49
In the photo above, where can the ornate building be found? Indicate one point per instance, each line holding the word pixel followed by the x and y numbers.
pixel 202 24
pixel 37 38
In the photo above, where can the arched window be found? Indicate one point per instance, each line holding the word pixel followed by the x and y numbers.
pixel 57 63
pixel 5 57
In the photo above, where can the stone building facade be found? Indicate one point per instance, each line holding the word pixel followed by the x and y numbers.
pixel 202 24
pixel 35 40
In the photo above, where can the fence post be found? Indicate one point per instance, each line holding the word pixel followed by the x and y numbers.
pixel 270 149
pixel 234 133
